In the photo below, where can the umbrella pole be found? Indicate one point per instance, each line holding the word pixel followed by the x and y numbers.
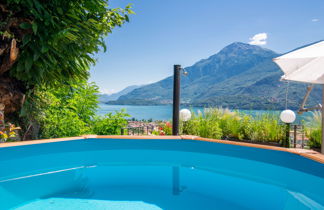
pixel 322 147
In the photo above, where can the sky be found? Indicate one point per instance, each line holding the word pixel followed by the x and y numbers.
pixel 167 32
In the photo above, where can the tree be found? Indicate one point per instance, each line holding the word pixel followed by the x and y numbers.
pixel 63 111
pixel 50 42
pixel 70 110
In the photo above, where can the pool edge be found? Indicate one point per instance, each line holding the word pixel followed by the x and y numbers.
pixel 310 154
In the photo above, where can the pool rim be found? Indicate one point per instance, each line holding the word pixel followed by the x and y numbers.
pixel 309 154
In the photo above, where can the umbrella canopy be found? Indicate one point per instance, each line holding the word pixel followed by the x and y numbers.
pixel 306 65
pixel 303 65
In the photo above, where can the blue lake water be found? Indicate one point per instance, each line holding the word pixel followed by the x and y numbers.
pixel 165 112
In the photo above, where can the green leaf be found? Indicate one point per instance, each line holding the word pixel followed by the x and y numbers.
pixel 34 26
pixel 60 11
pixel 62 37
pixel 25 25
pixel 44 49
pixel 104 47
pixel 28 63
pixel 20 66
pixel 36 55
pixel 23 111
pixel 26 39
pixel 38 5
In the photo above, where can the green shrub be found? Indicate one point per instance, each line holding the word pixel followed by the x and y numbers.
pixel 164 128
pixel 314 130
pixel 70 110
pixel 110 124
pixel 315 138
pixel 226 124
pixel 265 128
pixel 204 126
pixel 230 123
pixel 62 123
pixel 64 111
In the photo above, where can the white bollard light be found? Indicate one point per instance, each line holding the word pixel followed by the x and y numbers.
pixel 185 114
pixel 287 116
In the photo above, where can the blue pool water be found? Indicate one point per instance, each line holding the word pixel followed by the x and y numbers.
pixel 156 174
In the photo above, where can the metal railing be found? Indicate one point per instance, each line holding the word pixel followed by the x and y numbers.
pixel 137 131
pixel 297 136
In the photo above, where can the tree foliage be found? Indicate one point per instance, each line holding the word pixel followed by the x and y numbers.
pixel 110 123
pixel 50 42
pixel 62 111
pixel 70 110
pixel 60 37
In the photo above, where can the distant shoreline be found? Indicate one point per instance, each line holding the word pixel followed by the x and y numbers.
pixel 196 106
pixel 164 112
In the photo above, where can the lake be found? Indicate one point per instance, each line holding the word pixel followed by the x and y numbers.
pixel 165 112
pixel 143 112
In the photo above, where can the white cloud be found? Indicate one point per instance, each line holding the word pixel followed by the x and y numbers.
pixel 259 39
pixel 315 20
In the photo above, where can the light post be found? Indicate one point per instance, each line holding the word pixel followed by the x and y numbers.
pixel 287 116
pixel 176 98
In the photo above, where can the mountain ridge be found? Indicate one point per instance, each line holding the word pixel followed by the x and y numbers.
pixel 238 76
pixel 103 98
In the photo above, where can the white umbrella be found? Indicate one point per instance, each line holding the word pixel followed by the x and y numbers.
pixel 305 65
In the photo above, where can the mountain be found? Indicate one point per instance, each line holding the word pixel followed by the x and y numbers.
pixel 103 98
pixel 239 76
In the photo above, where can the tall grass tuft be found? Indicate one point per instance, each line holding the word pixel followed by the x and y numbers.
pixel 223 123
pixel 202 125
pixel 314 129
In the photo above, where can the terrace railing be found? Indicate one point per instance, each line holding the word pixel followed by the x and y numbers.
pixel 137 131
pixel 297 136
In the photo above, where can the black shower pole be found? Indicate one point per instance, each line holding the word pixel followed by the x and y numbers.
pixel 176 99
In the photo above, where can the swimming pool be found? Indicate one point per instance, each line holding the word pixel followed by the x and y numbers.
pixel 156 174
